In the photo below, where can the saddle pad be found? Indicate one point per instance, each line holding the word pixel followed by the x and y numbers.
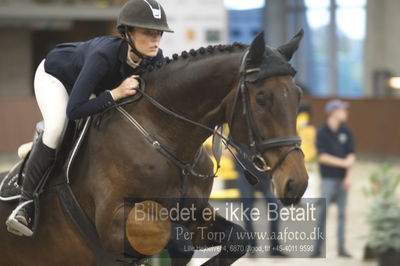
pixel 9 188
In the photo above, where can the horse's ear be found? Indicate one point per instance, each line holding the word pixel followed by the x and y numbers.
pixel 257 50
pixel 288 49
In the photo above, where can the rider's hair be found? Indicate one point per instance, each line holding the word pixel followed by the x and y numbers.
pixel 122 29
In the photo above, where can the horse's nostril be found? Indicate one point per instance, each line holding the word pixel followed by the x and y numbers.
pixel 294 190
pixel 290 186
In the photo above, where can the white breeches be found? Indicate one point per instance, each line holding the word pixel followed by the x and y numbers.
pixel 52 98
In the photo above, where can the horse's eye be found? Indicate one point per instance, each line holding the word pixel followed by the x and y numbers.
pixel 261 99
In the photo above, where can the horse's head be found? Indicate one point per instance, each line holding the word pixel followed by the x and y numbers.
pixel 264 116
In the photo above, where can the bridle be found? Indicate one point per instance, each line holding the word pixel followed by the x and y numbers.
pixel 259 147
pixel 256 147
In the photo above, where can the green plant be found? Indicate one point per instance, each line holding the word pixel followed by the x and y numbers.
pixel 384 215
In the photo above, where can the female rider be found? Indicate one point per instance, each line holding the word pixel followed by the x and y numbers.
pixel 106 66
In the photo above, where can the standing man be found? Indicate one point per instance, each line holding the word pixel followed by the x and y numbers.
pixel 335 144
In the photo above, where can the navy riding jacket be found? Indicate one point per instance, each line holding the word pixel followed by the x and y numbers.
pixel 94 66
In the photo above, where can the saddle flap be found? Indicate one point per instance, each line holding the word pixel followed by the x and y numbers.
pixel 10 189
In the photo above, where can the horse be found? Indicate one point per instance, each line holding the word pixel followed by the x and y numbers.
pixel 251 88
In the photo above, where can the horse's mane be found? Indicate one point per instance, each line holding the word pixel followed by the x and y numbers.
pixel 201 52
pixel 273 63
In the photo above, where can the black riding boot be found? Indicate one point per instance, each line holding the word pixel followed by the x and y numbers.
pixel 40 159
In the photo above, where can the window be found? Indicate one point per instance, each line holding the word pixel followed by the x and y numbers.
pixel 213 36
pixel 351 22
pixel 318 21
pixel 337 38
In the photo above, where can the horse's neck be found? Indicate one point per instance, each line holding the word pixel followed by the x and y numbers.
pixel 195 90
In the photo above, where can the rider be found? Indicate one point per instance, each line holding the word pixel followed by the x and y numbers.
pixel 106 66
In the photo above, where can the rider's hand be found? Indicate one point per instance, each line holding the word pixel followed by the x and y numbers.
pixel 349 161
pixel 346 182
pixel 127 88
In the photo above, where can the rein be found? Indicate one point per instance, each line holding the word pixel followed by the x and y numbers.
pixel 256 147
pixel 186 168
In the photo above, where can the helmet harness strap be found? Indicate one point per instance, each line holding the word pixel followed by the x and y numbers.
pixel 128 38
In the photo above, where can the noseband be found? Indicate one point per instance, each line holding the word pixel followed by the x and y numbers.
pixel 257 144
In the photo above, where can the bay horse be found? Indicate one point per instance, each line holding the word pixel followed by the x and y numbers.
pixel 250 88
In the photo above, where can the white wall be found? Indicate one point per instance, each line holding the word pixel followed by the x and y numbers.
pixel 196 17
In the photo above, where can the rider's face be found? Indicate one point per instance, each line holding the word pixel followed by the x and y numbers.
pixel 146 41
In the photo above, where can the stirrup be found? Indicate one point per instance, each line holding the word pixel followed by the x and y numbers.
pixel 16 227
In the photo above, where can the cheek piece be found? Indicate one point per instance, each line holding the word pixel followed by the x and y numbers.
pixel 124 33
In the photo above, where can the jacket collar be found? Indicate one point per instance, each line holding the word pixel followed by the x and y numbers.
pixel 123 50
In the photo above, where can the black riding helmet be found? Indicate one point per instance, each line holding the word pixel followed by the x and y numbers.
pixel 145 14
